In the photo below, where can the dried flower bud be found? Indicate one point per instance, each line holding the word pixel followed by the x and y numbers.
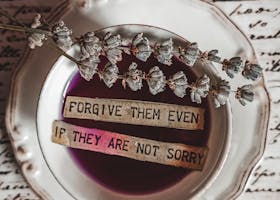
pixel 110 74
pixel 36 21
pixel 89 67
pixel 134 77
pixel 245 93
pixel 112 46
pixel 36 39
pixel 189 55
pixel 156 80
pixel 200 89
pixel 62 35
pixel 164 52
pixel 220 92
pixel 114 55
pixel 212 56
pixel 112 41
pixel 179 83
pixel 141 47
pixel 90 45
pixel 232 66
pixel 252 71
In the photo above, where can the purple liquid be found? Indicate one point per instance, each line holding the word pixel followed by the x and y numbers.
pixel 127 175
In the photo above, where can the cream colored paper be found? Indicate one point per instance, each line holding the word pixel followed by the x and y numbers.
pixel 135 112
pixel 14 186
pixel 175 154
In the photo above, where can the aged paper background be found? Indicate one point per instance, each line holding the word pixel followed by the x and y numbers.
pixel 259 19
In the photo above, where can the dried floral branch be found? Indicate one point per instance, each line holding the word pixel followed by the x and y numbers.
pixel 113 46
pixel 245 93
pixel 220 92
pixel 200 89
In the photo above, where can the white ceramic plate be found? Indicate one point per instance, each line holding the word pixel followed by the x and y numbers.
pixel 29 122
pixel 50 106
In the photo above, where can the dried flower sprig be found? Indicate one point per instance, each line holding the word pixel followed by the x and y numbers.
pixel 141 48
pixel 252 71
pixel 133 78
pixel 113 46
pixel 62 36
pixel 245 93
pixel 156 80
pixel 232 66
pixel 164 52
pixel 200 89
pixel 36 39
pixel 190 54
pixel 220 92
